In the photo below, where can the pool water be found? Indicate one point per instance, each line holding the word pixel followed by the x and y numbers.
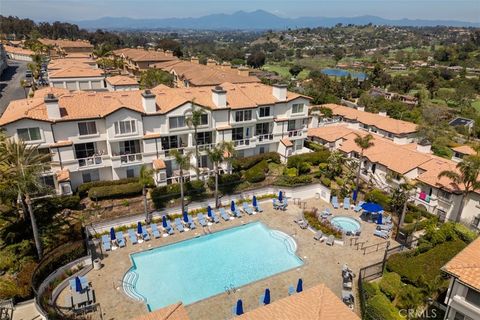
pixel 199 268
pixel 346 224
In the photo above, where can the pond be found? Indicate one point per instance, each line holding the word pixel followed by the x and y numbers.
pixel 344 73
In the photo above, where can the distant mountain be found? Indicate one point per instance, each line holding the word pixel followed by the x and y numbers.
pixel 256 20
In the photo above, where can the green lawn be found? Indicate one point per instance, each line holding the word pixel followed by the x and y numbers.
pixel 282 70
pixel 476 104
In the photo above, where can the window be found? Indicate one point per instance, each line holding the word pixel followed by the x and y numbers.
pixel 298 145
pixel 90 176
pixel 442 215
pixel 297 108
pixel 291 125
pixel 29 134
pixel 84 150
pixel 476 222
pixel 170 142
pixel 130 173
pixel 204 119
pixel 444 195
pixel 473 297
pixel 86 128
pixel 47 181
pixel 264 112
pixel 262 128
pixel 204 138
pixel 237 134
pixel 129 147
pixel 125 127
pixel 176 122
pixel 243 115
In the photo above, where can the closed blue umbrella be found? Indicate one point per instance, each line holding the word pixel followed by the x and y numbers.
pixel 78 284
pixel 209 211
pixel 379 218
pixel 112 234
pixel 164 221
pixel 372 207
pixel 239 308
pixel 139 227
pixel 280 196
pixel 185 216
pixel 266 297
pixel 355 195
pixel 254 201
pixel 300 285
pixel 232 205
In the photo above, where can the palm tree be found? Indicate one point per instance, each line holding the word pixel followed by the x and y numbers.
pixel 102 51
pixel 21 165
pixel 217 156
pixel 194 120
pixel 335 163
pixel 24 84
pixel 363 143
pixel 466 174
pixel 146 180
pixel 183 163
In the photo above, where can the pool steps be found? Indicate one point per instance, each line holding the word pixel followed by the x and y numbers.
pixel 289 243
pixel 128 283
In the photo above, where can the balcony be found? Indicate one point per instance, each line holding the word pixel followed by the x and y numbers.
pixel 295 133
pixel 265 137
pixel 241 143
pixel 131 158
pixel 168 152
pixel 90 161
pixel 204 147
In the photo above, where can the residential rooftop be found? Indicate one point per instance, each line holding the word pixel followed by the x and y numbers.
pixel 121 81
pixel 465 266
pixel 141 55
pixel 465 150
pixel 17 50
pixel 66 43
pixel 76 72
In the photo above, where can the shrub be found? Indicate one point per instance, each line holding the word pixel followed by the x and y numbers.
pixel 378 196
pixel 409 297
pixel 248 162
pixel 464 233
pixel 390 284
pixel 83 188
pixel 195 187
pixel 382 308
pixel 325 181
pixel 115 191
pixel 67 202
pixel 313 158
pixel 325 226
pixel 408 218
pixel 313 146
pixel 339 181
pixel 291 172
pixel 226 182
pixel 370 289
pixel 286 181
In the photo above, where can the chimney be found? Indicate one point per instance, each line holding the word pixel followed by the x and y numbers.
pixel 194 60
pixel 169 53
pixel 211 63
pixel 382 113
pixel 219 97
pixel 149 102
pixel 279 91
pixel 243 71
pixel 53 109
pixel 226 66
pixel 424 146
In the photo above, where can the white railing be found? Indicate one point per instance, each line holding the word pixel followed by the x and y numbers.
pixel 243 142
pixel 90 161
pixel 295 133
pixel 203 147
pixel 265 137
pixel 129 158
pixel 168 151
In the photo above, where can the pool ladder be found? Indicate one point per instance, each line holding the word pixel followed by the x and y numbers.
pixel 230 289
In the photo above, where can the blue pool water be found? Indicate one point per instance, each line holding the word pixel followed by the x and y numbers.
pixel 346 224
pixel 198 268
pixel 344 73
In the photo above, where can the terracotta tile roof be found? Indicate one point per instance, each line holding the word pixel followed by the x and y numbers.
pixel 465 150
pixel 141 55
pixel 76 72
pixel 63 175
pixel 42 92
pixel 66 43
pixel 286 142
pixel 159 164
pixel 202 75
pixel 58 64
pixel 151 135
pixel 86 105
pixel 372 119
pixel 466 265
pixel 172 312
pixel 61 143
pixel 78 55
pixel 223 128
pixel 121 81
pixel 433 168
pixel 329 133
pixel 16 50
pixel 316 303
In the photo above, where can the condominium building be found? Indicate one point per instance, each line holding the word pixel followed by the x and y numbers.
pixel 60 47
pixel 137 60
pixel 463 295
pixel 20 54
pixel 110 135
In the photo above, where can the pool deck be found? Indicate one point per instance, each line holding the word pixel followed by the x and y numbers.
pixel 322 265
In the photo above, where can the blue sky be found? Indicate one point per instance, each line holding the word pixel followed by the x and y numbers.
pixel 49 10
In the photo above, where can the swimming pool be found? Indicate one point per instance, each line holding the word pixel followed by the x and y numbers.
pixel 346 224
pixel 201 267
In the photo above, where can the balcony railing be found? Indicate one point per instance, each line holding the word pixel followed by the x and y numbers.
pixel 90 161
pixel 130 158
pixel 203 147
pixel 265 137
pixel 168 151
pixel 295 133
pixel 243 142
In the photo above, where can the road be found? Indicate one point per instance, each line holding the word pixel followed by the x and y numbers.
pixel 10 88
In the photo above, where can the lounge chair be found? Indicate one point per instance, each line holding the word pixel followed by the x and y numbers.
pixel 120 239
pixel 201 220
pixel 133 236
pixel 291 290
pixel 214 217
pixel 276 204
pixel 179 225
pixel 384 227
pixel 237 213
pixel 335 202
pixel 326 213
pixel 106 245
pixel 247 209
pixel 346 203
pixel 169 228
pixel 358 207
pixel 318 235
pixel 302 223
pixel 155 232
pixel 191 223
pixel 381 234
pixel 145 235
pixel 331 240
pixel 223 214
pixel 83 282
pixel 284 204
pixel 258 208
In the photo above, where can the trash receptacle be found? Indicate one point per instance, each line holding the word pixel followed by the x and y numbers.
pixel 97 264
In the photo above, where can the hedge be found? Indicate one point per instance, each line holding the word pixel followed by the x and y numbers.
pixel 325 226
pixel 381 308
pixel 83 188
pixel 325 181
pixel 313 158
pixel 161 195
pixel 115 191
pixel 287 181
pixel 226 182
pixel 390 284
pixel 257 172
pixel 248 162
pixel 378 196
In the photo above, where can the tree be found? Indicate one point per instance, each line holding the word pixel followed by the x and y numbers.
pixel 465 179
pixel 256 59
pixel 153 77
pixel 217 155
pixel 183 163
pixel 338 54
pixel 146 180
pixel 295 70
pixel 445 94
pixel 363 143
pixel 194 120
pixel 24 85
pixel 21 165
pixel 335 163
